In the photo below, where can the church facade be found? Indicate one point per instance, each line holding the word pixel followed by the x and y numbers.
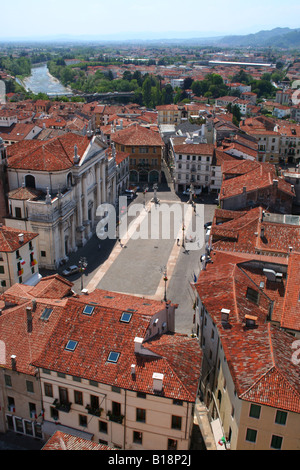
pixel 55 188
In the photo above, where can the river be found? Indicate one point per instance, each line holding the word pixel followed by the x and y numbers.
pixel 40 81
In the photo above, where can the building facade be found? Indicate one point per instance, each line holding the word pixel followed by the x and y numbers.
pixel 145 149
pixel 18 257
pixel 252 397
pixel 122 393
pixel 55 189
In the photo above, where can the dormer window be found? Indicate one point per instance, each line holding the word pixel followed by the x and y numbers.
pixel 252 295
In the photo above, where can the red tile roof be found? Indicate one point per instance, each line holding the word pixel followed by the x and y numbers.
pixel 259 358
pixel 18 132
pixel 179 357
pixel 195 149
pixel 253 176
pixel 52 155
pixel 137 135
pixel 241 231
pixel 291 308
pixel 10 241
pixel 52 287
pixel 24 193
pixel 24 345
pixel 258 361
pixel 63 441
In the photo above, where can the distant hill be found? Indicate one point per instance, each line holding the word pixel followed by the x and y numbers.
pixel 277 37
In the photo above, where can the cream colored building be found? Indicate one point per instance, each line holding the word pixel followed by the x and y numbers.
pixel 131 382
pixel 18 257
pixel 249 380
pixel 28 316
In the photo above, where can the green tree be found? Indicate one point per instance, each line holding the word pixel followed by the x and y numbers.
pixel 146 92
pixel 187 83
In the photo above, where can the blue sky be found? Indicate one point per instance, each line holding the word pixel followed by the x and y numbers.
pixel 98 17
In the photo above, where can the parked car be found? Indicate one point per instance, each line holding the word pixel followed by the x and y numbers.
pixel 207 225
pixel 70 270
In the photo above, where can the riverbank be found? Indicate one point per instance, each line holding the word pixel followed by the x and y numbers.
pixel 20 81
pixel 41 81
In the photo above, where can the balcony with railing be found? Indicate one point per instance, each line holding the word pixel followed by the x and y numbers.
pixel 95 411
pixel 116 418
pixel 62 405
pixel 50 209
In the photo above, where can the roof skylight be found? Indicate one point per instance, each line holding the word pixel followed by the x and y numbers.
pixel 113 356
pixel 71 345
pixel 46 314
pixel 88 309
pixel 126 317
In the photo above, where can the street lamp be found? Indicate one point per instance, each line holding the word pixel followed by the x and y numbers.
pixel 166 280
pixel 82 267
pixel 155 198
pixel 164 270
pixel 191 193
pixel 145 189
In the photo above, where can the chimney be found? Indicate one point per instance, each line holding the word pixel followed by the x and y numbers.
pixel 21 237
pixel 262 232
pixel 275 183
pixel 138 344
pixel 225 315
pixel 250 321
pixel 132 369
pixel 13 362
pixel 270 274
pixel 157 381
pixel 29 319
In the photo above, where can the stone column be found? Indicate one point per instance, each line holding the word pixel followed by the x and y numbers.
pixel 86 221
pixel 80 227
pixel 98 182
pixel 78 201
pixel 85 199
pixel 62 240
pixel 103 181
pixel 73 232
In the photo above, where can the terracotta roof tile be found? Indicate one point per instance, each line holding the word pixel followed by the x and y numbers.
pixel 9 238
pixel 63 441
pixel 137 135
pixel 52 155
pixel 102 332
pixel 259 358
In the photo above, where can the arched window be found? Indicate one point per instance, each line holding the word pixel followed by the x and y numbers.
pixel 69 180
pixel 30 181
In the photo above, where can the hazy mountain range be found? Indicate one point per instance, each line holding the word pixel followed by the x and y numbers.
pixel 277 37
